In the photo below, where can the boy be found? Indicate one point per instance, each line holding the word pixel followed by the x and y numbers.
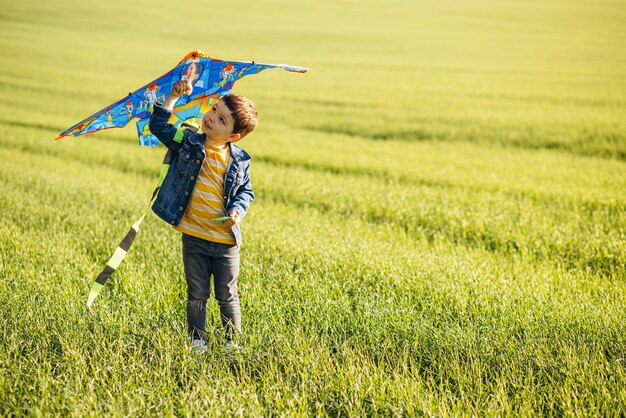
pixel 209 177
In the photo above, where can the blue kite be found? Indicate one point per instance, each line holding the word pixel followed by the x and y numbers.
pixel 211 79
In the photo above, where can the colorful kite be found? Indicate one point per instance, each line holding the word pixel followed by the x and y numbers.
pixel 211 79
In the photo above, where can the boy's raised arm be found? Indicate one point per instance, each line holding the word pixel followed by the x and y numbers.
pixel 165 132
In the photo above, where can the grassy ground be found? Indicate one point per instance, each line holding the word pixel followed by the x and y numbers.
pixel 440 223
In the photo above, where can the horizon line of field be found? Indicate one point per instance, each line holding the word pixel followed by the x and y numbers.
pixel 471 236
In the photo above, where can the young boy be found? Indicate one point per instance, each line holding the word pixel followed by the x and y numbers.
pixel 209 177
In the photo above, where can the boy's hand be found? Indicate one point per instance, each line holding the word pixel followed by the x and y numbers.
pixel 181 87
pixel 234 219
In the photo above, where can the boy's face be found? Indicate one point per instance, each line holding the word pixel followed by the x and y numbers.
pixel 217 124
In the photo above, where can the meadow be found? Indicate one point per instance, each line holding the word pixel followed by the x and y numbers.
pixel 439 228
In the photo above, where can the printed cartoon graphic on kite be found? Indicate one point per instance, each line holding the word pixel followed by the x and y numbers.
pixel 81 126
pixel 152 96
pixel 229 74
pixel 128 109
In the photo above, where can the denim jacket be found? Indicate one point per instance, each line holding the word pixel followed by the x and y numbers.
pixel 188 151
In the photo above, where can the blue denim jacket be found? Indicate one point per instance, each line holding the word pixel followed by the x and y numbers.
pixel 188 151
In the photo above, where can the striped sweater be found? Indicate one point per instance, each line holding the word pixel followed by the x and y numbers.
pixel 207 200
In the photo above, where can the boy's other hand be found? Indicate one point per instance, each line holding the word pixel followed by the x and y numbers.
pixel 181 87
pixel 234 219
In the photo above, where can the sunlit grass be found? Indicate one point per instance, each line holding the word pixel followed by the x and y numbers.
pixel 440 223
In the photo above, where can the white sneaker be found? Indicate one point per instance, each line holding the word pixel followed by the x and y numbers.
pixel 198 346
pixel 231 348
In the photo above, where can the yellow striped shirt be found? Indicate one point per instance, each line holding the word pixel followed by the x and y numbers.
pixel 207 200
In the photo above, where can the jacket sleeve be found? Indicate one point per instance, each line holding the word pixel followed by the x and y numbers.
pixel 245 195
pixel 168 134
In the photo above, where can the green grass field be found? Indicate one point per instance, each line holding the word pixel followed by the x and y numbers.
pixel 440 223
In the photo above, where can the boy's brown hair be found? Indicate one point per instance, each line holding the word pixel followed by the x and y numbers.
pixel 243 111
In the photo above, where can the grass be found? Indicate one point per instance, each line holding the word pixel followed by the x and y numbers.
pixel 440 223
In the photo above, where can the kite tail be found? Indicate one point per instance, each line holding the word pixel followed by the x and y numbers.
pixel 122 249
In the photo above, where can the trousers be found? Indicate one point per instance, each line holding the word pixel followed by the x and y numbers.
pixel 202 260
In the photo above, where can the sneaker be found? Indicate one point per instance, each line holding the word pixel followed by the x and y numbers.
pixel 231 348
pixel 198 346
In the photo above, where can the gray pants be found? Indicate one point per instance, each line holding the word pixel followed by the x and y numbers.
pixel 203 259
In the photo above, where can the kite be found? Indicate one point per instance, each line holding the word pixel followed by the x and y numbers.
pixel 210 78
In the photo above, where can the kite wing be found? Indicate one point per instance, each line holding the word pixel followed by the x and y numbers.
pixel 211 79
